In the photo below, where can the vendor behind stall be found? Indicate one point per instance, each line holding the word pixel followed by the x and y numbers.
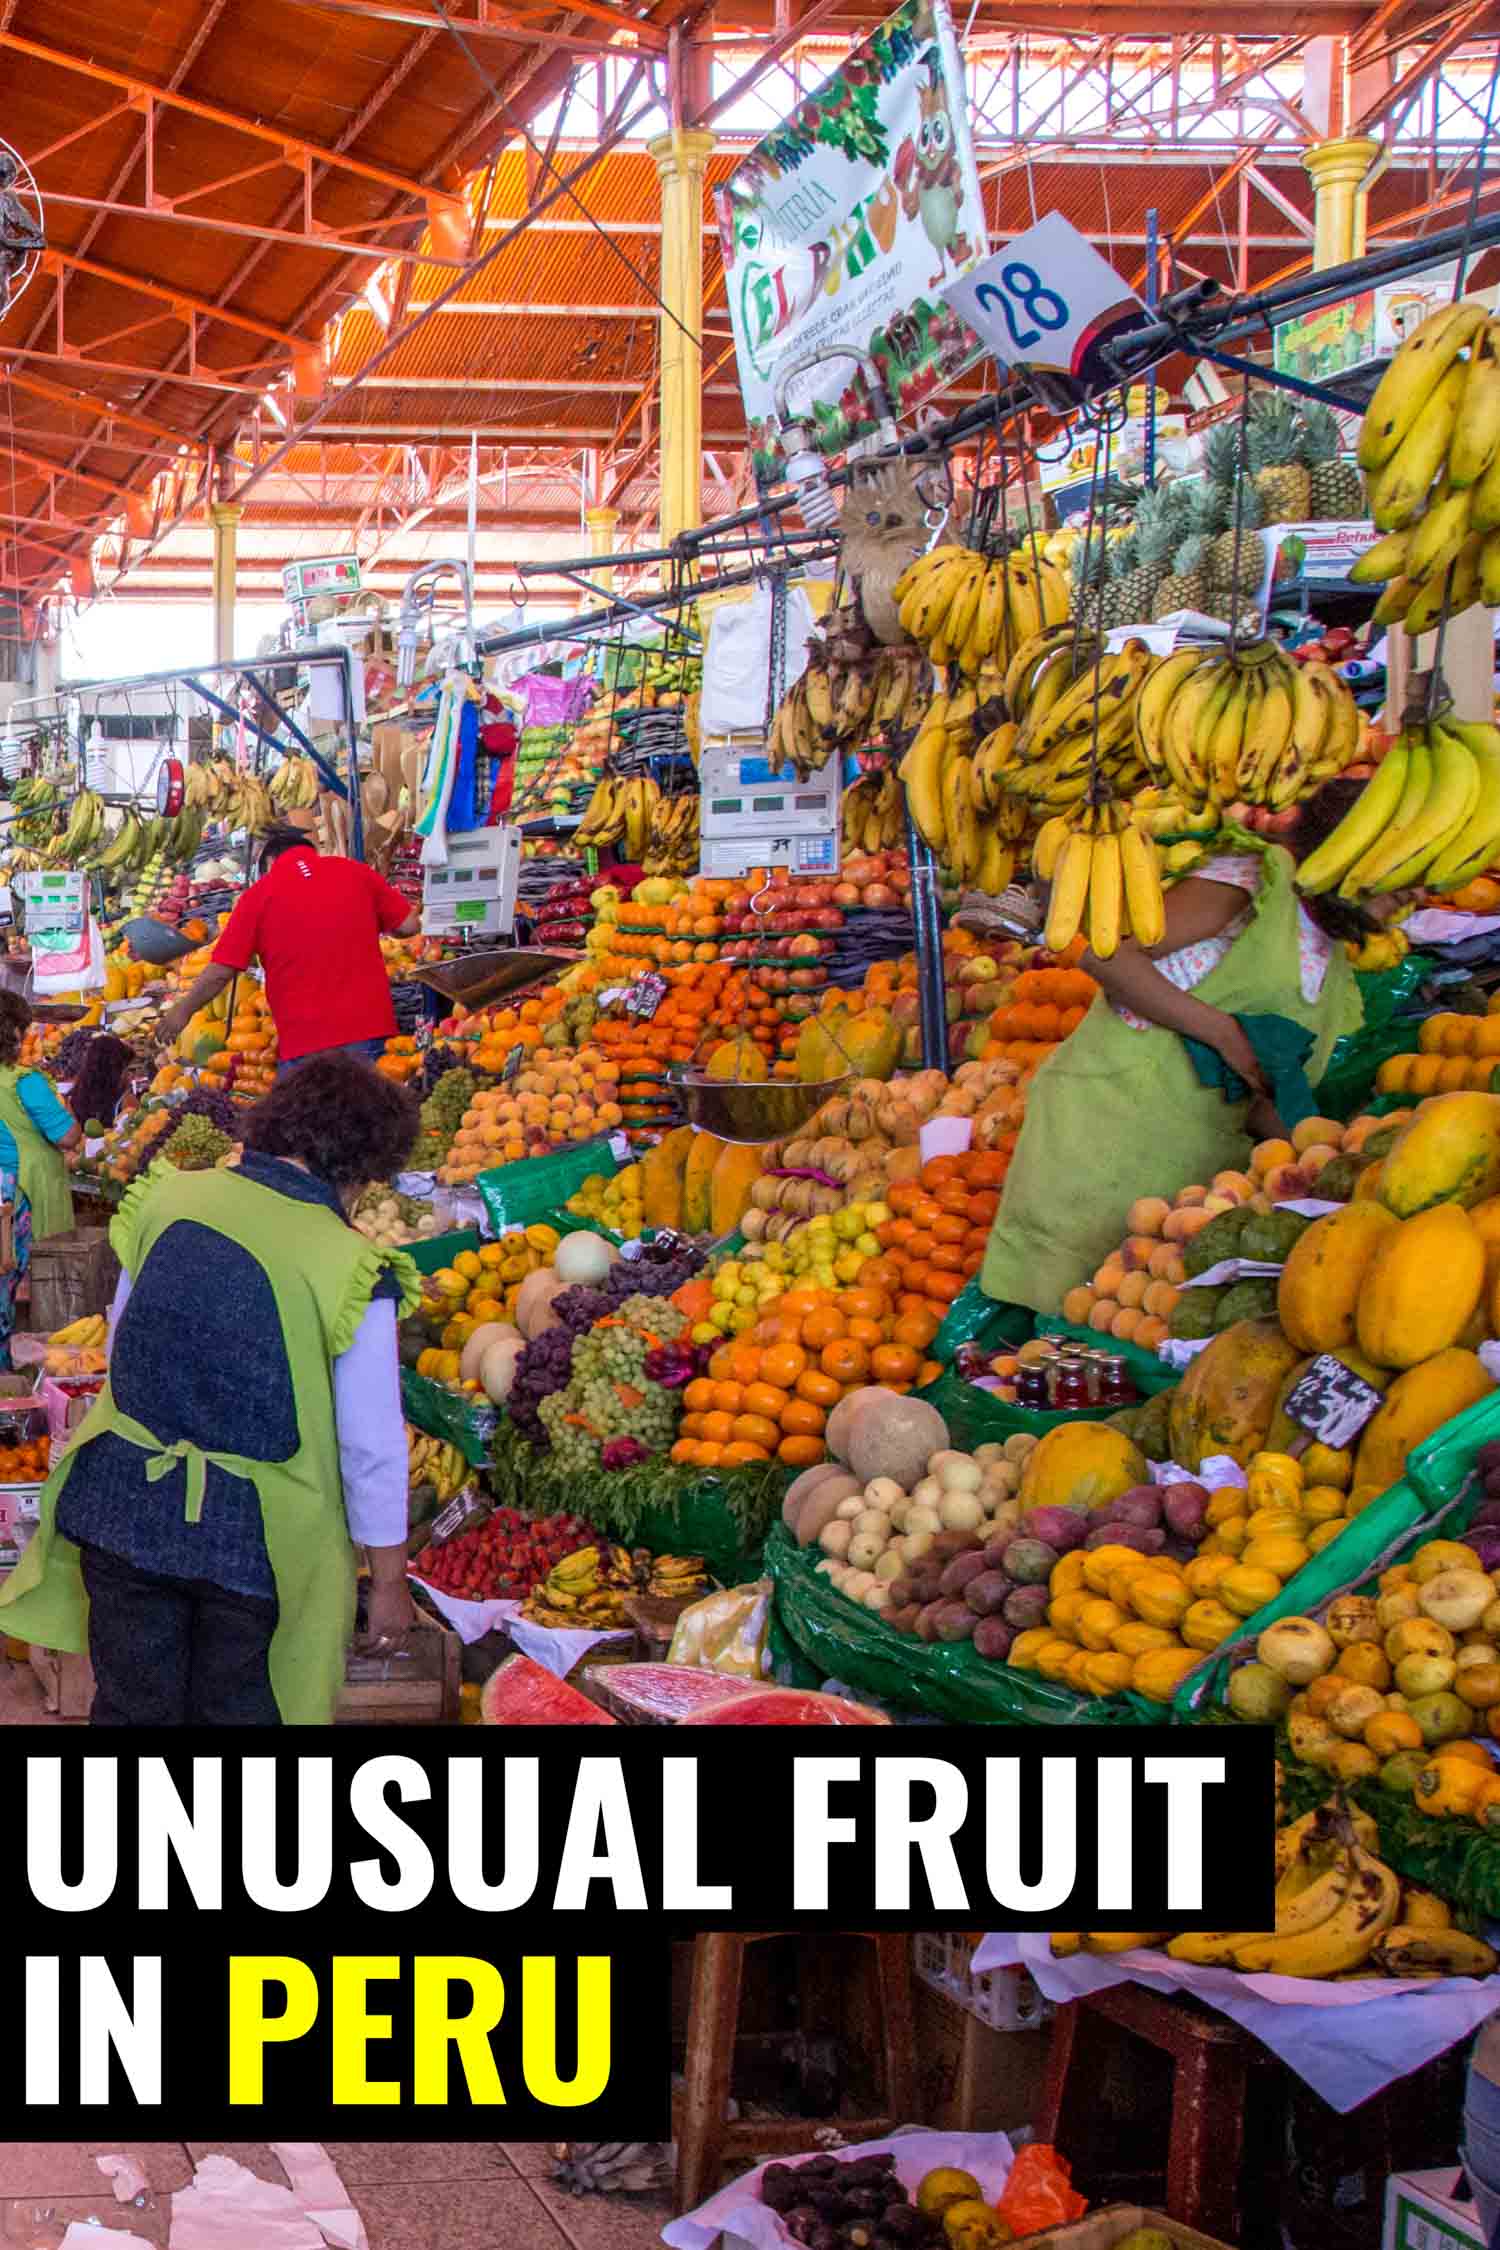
pixel 1124 1092
pixel 315 926
pixel 198 1537
pixel 35 1197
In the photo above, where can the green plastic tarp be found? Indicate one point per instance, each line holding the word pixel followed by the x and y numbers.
pixel 527 1193
pixel 434 1251
pixel 441 1413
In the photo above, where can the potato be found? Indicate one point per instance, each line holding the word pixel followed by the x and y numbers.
pixel 987 1593
pixel 960 1570
pixel 992 1638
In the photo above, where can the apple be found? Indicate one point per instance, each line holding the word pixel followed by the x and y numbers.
pixel 880 897
pixel 827 918
pixel 979 969
pixel 845 894
pixel 813 894
pixel 800 948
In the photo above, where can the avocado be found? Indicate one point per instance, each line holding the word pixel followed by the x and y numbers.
pixel 1245 1300
pixel 1271 1236
pixel 1218 1240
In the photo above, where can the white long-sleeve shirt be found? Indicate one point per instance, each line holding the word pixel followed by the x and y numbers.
pixel 369 1421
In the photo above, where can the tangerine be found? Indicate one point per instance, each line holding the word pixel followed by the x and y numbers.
pixel 845 1359
pixel 800 1418
pixel 718 1427
pixel 801 1452
pixel 783 1364
pixel 756 1429
pixel 765 1398
pixel 818 1389
pixel 825 1326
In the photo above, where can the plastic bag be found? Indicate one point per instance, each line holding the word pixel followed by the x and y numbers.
pixel 726 1632
pixel 1039 2192
pixel 524 1194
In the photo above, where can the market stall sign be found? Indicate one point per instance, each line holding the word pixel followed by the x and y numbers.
pixel 840 228
pixel 1332 1402
pixel 323 574
pixel 1371 325
pixel 646 995
pixel 1049 302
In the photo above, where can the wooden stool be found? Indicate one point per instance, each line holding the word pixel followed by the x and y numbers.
pixel 1211 2064
pixel 707 2138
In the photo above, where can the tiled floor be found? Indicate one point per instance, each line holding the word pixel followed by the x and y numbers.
pixel 412 2195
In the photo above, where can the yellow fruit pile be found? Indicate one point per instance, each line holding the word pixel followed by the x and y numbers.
pixel 1119 1620
pixel 1455 1053
pixel 558 1096
pixel 614 1203
pixel 480 1285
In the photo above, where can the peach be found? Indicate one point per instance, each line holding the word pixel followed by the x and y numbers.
pixel 1152 1331
pixel 1163 1258
pixel 1287 1182
pixel 1103 1315
pixel 1235 1185
pixel 1077 1306
pixel 1147 1214
pixel 1315 1130
pixel 1266 1155
pixel 1107 1280
pixel 1188 1196
pixel 1313 1159
pixel 1135 1253
pixel 1133 1289
pixel 1125 1324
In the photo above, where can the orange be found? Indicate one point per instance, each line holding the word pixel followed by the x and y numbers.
pixel 861 1303
pixel 756 1429
pixel 950 1228
pixel 699 1395
pixel 925 1210
pixel 800 1418
pixel 765 1398
pixel 684 1451
pixel 880 1273
pixel 845 1359
pixel 893 1363
pixel 819 1389
pixel 735 1456
pixel 917 1325
pixel 744 1362
pixel 709 1456
pixel 783 1364
pixel 718 1427
pixel 825 1326
pixel 721 1364
pixel 728 1398
pixel 944 1287
pixel 801 1452
pixel 921 1245
pixel 869 1332
pixel 691 1425
pixel 948 1257
pixel 896 1232
pixel 800 1301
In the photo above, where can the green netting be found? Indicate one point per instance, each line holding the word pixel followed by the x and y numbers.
pixel 721 1515
pixel 438 1250
pixel 521 1195
pixel 945 1680
pixel 1368 1542
pixel 1147 1371
pixel 974 1318
pixel 441 1413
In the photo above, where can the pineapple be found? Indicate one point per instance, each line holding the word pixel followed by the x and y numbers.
pixel 1221 557
pixel 1156 532
pixel 1088 579
pixel 1277 447
pixel 1337 488
pixel 1190 586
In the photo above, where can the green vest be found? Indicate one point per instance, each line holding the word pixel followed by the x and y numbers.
pixel 1118 1113
pixel 44 1175
pixel 322 1275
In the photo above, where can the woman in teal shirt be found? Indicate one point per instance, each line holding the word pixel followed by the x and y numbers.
pixel 35 1128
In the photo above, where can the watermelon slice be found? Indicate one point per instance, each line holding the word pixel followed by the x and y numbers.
pixel 522 1693
pixel 786 1707
pixel 664 1694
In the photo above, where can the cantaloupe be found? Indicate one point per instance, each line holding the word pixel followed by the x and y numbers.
pixel 534 1312
pixel 735 1172
pixel 697 1182
pixel 836 1433
pixel 488 1332
pixel 802 1488
pixel 892 1436
pixel 497 1369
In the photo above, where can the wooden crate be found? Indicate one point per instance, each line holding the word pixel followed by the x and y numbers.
pixel 972 2078
pixel 1102 2229
pixel 419 1689
pixel 71 1275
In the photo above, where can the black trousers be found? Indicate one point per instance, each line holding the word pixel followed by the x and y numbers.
pixel 175 1652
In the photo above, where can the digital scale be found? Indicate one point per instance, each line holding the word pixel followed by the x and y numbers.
pixel 476 891
pixel 750 816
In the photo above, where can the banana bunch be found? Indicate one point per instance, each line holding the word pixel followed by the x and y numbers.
pixel 1335 1904
pixel 620 811
pixel 842 704
pixel 1429 815
pixel 965 608
pixel 1105 878
pixel 872 816
pixel 220 792
pixel 672 848
pixel 294 785
pixel 1430 449
pixel 126 849
pixel 1067 738
pixel 35 793
pixel 676 1578
pixel 85 826
pixel 86 1335
pixel 431 1460
pixel 940 773
pixel 1246 724
pixel 586 1588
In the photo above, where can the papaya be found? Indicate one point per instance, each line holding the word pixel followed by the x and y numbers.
pixel 1082 1465
pixel 1417 1403
pixel 871 1044
pixel 1448 1153
pixel 1225 1401
pixel 1284 1432
pixel 661 1178
pixel 1420 1288
pixel 820 1047
pixel 1486 1219
pixel 1320 1282
pixel 735 1172
pixel 737 1058
pixel 697 1181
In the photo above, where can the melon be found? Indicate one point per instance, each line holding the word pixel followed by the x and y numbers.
pixel 785 1707
pixel 488 1332
pixel 892 1436
pixel 804 1486
pixel 581 1260
pixel 497 1369
pixel 534 1314
pixel 836 1434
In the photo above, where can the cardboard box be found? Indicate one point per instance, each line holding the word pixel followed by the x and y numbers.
pixel 1423 2212
pixel 970 2078
pixel 1101 2229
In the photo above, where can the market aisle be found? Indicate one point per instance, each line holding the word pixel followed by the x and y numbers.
pixel 411 2195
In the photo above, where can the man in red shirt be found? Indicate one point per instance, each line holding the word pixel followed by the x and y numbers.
pixel 315 926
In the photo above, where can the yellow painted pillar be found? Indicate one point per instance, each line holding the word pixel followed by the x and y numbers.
pixel 601 522
pixel 224 515
pixel 1336 169
pixel 680 159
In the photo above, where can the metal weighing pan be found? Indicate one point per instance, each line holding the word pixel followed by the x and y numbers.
pixel 157 942
pixel 475 979
pixel 754 1110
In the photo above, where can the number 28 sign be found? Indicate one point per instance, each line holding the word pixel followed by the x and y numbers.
pixel 1049 301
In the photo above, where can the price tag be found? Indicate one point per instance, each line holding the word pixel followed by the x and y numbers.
pixel 1048 302
pixel 646 995
pixel 512 1062
pixel 1332 1402
pixel 460 1510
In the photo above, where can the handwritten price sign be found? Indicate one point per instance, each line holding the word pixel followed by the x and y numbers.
pixel 1048 301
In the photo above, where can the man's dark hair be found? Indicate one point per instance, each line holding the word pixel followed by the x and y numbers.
pixel 340 1118
pixel 285 839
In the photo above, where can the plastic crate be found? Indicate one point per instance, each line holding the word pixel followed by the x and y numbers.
pixel 1005 1999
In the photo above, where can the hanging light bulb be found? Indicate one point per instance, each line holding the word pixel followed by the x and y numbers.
pixel 807 474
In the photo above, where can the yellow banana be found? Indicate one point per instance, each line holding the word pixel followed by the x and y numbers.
pixel 1141 872
pixel 1070 891
pixel 1413 377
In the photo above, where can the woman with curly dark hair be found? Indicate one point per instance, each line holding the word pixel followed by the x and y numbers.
pixel 199 1537
pixel 35 1197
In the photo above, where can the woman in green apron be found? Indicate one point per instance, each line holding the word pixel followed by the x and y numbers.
pixel 1120 1111
pixel 198 1538
pixel 35 1196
